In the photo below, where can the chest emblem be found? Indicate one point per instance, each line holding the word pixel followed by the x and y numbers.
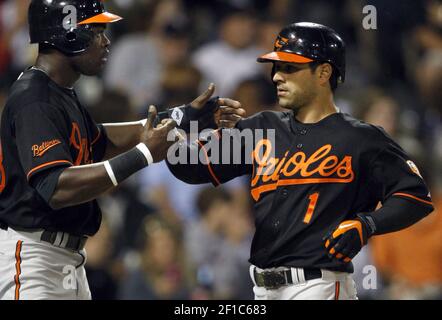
pixel 297 168
pixel 81 146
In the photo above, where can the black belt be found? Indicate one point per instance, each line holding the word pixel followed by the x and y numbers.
pixel 276 279
pixel 64 240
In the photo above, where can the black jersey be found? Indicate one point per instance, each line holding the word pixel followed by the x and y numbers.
pixel 310 179
pixel 44 128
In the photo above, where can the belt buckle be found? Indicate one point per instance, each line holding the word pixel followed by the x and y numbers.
pixel 271 279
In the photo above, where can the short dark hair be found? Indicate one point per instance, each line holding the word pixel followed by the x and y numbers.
pixel 334 77
pixel 209 196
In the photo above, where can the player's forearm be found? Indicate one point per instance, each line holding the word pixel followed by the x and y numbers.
pixel 398 213
pixel 80 184
pixel 188 171
pixel 121 137
pixel 191 174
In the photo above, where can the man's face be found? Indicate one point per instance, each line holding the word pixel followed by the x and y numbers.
pixel 93 60
pixel 296 84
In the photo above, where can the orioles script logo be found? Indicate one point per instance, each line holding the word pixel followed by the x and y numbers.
pixel 81 145
pixel 40 150
pixel 320 167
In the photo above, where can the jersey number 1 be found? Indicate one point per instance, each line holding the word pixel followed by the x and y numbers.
pixel 311 207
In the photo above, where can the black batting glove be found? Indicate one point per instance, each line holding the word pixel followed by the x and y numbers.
pixel 344 242
pixel 183 115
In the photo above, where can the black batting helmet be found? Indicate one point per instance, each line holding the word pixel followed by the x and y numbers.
pixel 306 42
pixel 66 24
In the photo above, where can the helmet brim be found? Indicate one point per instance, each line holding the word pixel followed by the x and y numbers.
pixel 283 57
pixel 105 17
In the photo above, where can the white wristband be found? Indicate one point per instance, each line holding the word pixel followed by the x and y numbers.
pixel 146 152
pixel 110 172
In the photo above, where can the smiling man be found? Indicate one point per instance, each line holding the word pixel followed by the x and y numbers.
pixel 316 185
pixel 55 160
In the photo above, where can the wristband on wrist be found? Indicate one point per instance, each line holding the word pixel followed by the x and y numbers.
pixel 369 223
pixel 124 165
pixel 184 114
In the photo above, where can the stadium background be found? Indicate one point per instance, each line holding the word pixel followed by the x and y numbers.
pixel 162 239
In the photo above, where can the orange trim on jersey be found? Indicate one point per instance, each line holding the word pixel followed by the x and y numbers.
pixel 17 269
pixel 208 163
pixel 412 197
pixel 47 164
pixel 96 139
pixel 256 192
pixel 105 17
pixel 337 288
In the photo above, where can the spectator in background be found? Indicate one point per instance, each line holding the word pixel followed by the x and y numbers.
pixel 410 261
pixel 256 95
pixel 113 106
pixel 394 254
pixel 99 266
pixel 385 112
pixel 426 70
pixel 15 52
pixel 137 61
pixel 232 58
pixel 218 244
pixel 134 68
pixel 172 197
pixel 179 82
pixel 163 272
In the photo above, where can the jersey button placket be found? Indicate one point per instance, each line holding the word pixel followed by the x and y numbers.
pixel 302 132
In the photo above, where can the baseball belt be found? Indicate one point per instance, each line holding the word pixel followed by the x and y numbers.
pixel 276 279
pixel 58 239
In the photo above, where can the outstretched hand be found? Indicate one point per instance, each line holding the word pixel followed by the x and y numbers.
pixel 228 111
pixel 156 138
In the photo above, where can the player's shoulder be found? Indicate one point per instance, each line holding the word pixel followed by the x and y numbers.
pixel 362 129
pixel 264 119
pixel 30 89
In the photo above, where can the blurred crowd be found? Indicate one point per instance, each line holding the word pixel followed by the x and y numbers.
pixel 163 239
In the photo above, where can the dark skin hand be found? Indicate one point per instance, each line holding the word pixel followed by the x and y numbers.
pixel 80 184
pixel 229 112
pixel 124 136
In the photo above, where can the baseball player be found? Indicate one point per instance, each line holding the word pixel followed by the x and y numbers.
pixel 317 184
pixel 55 160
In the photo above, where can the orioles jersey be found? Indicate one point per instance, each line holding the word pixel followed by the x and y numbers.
pixel 308 179
pixel 45 129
